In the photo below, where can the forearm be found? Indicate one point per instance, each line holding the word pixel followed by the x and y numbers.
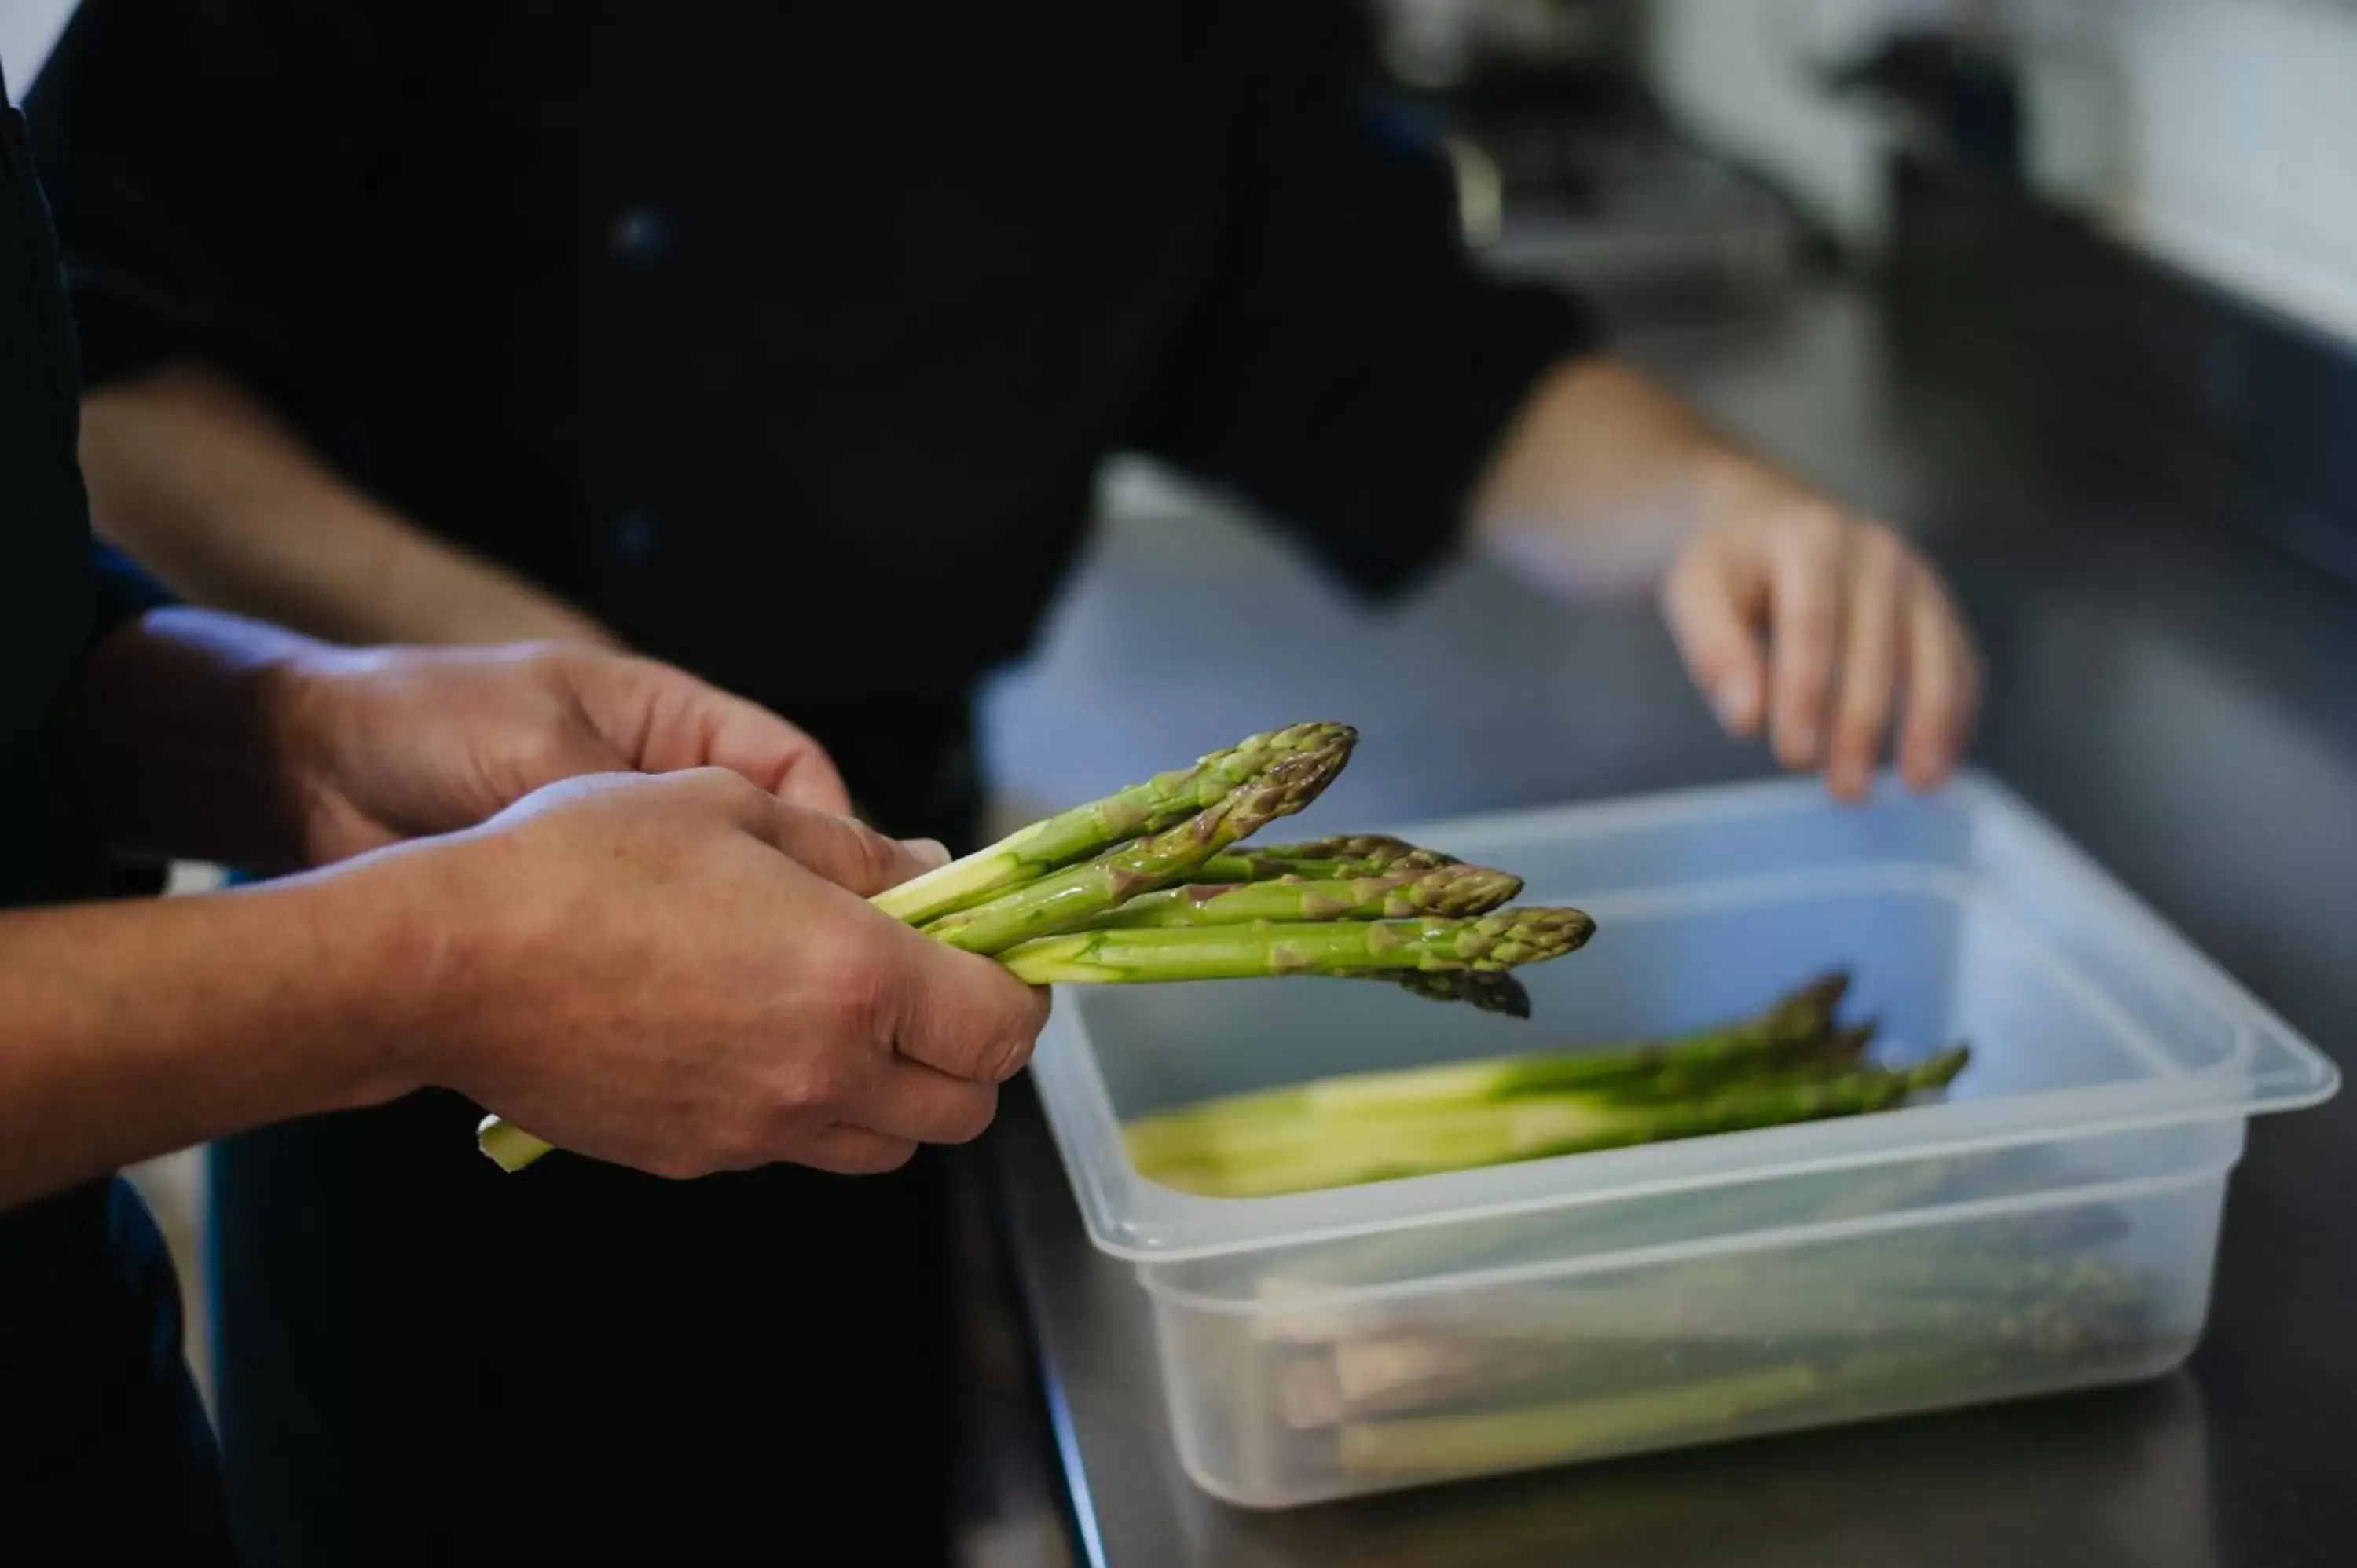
pixel 183 722
pixel 131 1029
pixel 192 473
pixel 1602 478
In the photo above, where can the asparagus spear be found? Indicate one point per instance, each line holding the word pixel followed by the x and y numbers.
pixel 1485 942
pixel 1263 1159
pixel 1452 890
pixel 1798 1059
pixel 1326 859
pixel 1063 899
pixel 1488 1440
pixel 1084 830
pixel 1869 1295
pixel 1795 1020
pixel 1490 993
pixel 1460 1442
pixel 1297 1299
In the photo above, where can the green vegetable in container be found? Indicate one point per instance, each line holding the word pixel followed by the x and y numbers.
pixel 1790 1063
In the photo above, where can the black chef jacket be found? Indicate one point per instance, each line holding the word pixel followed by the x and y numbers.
pixel 104 1457
pixel 788 338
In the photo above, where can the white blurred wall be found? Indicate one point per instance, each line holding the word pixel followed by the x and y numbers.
pixel 27 29
pixel 2220 134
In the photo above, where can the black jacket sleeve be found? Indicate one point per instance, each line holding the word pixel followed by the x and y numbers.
pixel 1351 370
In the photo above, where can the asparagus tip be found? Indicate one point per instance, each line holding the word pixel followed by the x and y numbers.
pixel 1823 994
pixel 1939 1070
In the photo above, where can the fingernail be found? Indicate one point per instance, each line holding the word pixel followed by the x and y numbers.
pixel 932 851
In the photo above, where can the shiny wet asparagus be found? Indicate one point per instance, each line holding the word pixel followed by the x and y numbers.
pixel 1357 906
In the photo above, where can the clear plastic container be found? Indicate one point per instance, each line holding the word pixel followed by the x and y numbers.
pixel 2052 1222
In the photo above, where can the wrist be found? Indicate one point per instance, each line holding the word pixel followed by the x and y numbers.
pixel 402 985
pixel 312 697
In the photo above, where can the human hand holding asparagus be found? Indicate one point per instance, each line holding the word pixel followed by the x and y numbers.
pixel 1077 898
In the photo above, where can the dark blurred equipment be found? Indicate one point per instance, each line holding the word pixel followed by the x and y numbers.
pixel 2240 410
pixel 1567 168
pixel 1960 95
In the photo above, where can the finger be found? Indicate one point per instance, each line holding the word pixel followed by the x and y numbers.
pixel 846 852
pixel 1712 610
pixel 1877 575
pixel 928 1106
pixel 577 748
pixel 1942 686
pixel 747 739
pixel 964 1015
pixel 1804 576
pixel 854 1151
pixel 664 720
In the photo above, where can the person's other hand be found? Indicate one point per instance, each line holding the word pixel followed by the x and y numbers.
pixel 1825 629
pixel 388 744
pixel 681 974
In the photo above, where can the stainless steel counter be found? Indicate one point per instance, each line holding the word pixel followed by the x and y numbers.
pixel 2180 702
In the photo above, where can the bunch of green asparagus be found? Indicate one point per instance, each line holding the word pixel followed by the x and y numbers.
pixel 1154 882
pixel 1794 1062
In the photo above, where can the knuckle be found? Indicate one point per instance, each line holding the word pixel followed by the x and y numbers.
pixel 848 1151
pixel 1681 584
pixel 1008 1050
pixel 547 663
pixel 741 1141
pixel 974 1117
pixel 680 1166
pixel 1805 637
pixel 888 1154
pixel 723 788
pixel 1816 530
pixel 1873 536
pixel 1712 663
pixel 857 992
pixel 868 856
pixel 820 1080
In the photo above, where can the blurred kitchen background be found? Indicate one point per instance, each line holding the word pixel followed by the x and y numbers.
pixel 2067 288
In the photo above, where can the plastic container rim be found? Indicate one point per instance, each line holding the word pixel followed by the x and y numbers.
pixel 1087 1133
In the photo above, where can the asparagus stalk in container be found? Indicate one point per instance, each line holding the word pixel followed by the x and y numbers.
pixel 1789 1064
pixel 1469 1364
pixel 1474 1377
